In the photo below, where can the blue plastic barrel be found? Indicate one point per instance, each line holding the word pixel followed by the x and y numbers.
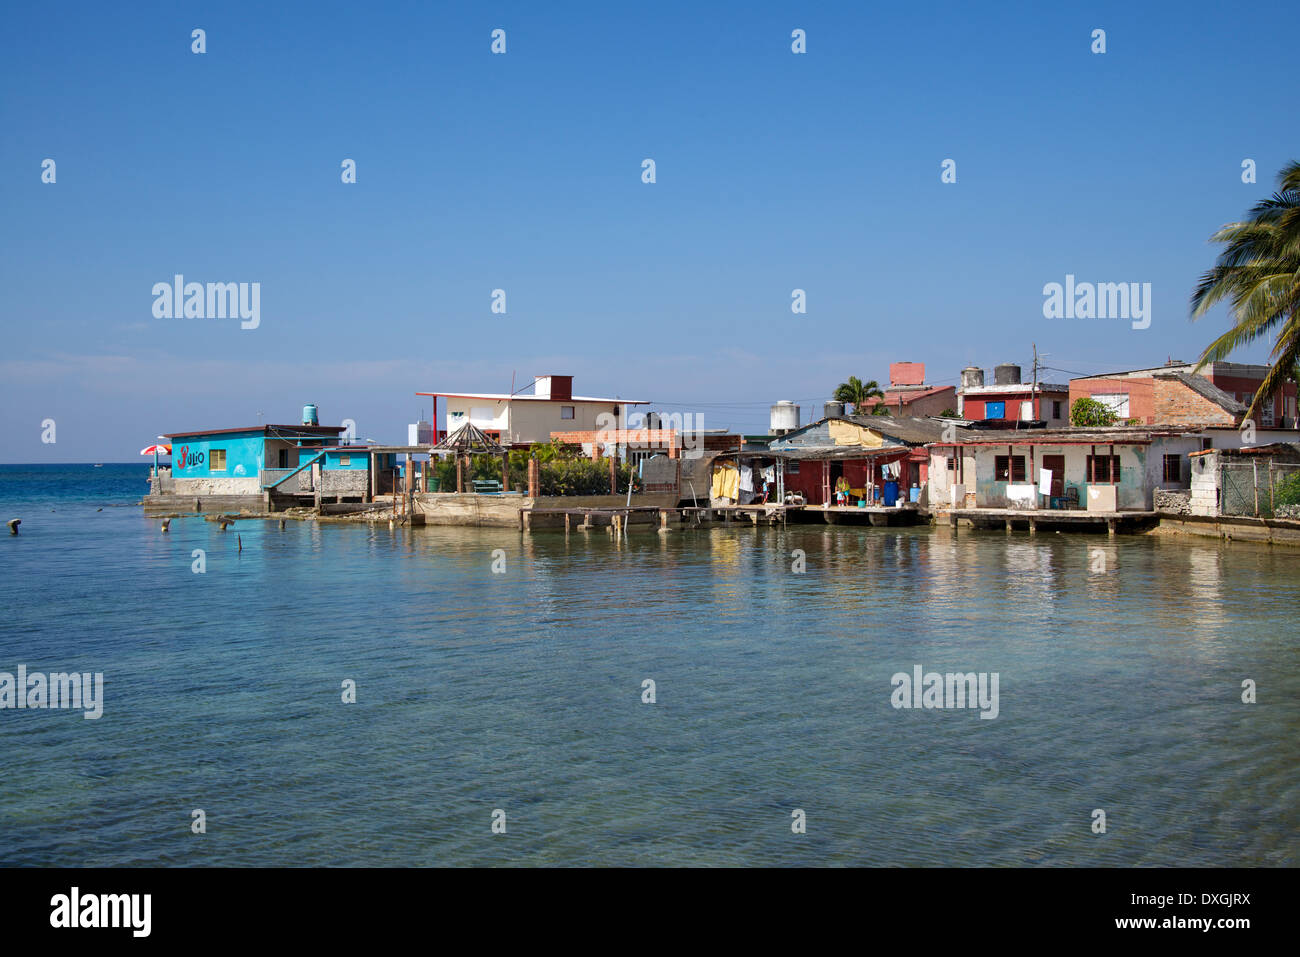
pixel 309 415
pixel 891 493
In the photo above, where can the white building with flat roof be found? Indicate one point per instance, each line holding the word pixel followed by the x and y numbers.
pixel 528 418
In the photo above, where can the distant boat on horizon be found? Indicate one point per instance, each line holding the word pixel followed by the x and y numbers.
pixel 99 465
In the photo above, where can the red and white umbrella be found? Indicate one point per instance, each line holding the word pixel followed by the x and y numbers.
pixel 155 451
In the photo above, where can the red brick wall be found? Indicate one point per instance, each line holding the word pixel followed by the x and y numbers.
pixel 1141 401
pixel 1176 404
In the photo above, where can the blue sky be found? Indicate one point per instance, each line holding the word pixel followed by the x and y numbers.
pixel 522 171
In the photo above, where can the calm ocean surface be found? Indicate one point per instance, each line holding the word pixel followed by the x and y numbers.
pixel 522 691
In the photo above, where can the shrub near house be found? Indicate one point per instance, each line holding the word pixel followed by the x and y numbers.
pixel 1086 412
pixel 559 476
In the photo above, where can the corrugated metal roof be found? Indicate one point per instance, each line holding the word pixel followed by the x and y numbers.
pixel 310 430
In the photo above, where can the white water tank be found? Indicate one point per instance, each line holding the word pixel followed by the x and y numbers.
pixel 784 418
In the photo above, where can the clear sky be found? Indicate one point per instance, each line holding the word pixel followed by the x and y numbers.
pixel 523 172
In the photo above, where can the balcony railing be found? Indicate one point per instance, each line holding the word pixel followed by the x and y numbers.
pixel 298 483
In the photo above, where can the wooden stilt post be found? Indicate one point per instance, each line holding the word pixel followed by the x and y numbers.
pixel 460 476
pixel 505 471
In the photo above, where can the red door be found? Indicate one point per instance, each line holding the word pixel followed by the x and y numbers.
pixel 1056 465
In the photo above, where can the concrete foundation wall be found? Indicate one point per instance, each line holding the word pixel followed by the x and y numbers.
pixel 255 504
pixel 452 508
pixel 1264 531
pixel 191 487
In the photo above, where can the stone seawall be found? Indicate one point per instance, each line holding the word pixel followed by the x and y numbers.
pixel 1263 530
pixel 502 511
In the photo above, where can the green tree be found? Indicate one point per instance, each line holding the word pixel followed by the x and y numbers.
pixel 1258 272
pixel 1087 412
pixel 858 394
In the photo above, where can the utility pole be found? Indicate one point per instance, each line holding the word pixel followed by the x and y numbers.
pixel 1033 385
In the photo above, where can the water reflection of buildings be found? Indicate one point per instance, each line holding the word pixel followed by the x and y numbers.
pixel 1205 592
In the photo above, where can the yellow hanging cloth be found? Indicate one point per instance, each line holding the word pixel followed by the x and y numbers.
pixel 726 482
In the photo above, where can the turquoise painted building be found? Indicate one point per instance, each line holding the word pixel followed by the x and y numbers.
pixel 307 459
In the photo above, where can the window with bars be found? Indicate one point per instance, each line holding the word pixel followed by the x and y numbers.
pixel 1009 468
pixel 1173 468
pixel 217 460
pixel 1103 468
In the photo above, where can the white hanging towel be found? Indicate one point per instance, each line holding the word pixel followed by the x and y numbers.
pixel 746 479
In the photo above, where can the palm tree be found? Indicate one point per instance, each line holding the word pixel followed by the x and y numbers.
pixel 858 393
pixel 1259 273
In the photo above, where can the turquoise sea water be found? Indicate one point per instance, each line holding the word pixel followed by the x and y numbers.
pixel 1119 690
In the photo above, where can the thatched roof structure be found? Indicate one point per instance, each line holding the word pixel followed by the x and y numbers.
pixel 468 440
